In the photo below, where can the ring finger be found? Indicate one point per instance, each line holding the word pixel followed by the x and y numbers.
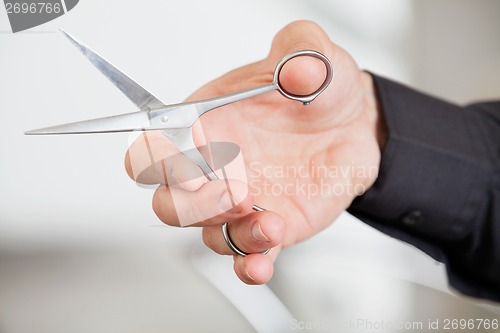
pixel 252 233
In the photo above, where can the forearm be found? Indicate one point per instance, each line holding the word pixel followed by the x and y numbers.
pixel 434 188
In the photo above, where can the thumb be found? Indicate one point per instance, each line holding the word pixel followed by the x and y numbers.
pixel 301 75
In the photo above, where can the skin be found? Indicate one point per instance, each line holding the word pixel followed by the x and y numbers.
pixel 341 130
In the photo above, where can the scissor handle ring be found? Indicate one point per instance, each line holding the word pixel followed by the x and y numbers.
pixel 306 99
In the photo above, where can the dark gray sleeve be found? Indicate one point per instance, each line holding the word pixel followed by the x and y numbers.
pixel 439 184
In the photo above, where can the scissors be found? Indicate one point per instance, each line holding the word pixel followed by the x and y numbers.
pixel 174 121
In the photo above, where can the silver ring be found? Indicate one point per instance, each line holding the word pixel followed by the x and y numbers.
pixel 233 247
pixel 306 99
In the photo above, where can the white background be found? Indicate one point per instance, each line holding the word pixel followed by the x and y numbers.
pixel 80 248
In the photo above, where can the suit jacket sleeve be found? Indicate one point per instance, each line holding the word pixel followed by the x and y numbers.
pixel 438 186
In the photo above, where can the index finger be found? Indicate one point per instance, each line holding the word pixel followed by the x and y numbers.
pixel 153 159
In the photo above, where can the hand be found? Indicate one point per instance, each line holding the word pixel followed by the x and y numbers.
pixel 305 164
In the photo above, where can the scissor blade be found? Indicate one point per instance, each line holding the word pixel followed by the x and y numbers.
pixel 137 94
pixel 122 123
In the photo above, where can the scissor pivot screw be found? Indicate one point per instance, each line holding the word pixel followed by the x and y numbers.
pixel 164 119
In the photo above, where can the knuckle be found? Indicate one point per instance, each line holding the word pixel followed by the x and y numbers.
pixel 209 239
pixel 163 207
pixel 207 236
pixel 156 204
pixel 128 166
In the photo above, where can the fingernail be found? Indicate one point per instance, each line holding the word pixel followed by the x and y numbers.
pixel 225 202
pixel 258 234
pixel 248 275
